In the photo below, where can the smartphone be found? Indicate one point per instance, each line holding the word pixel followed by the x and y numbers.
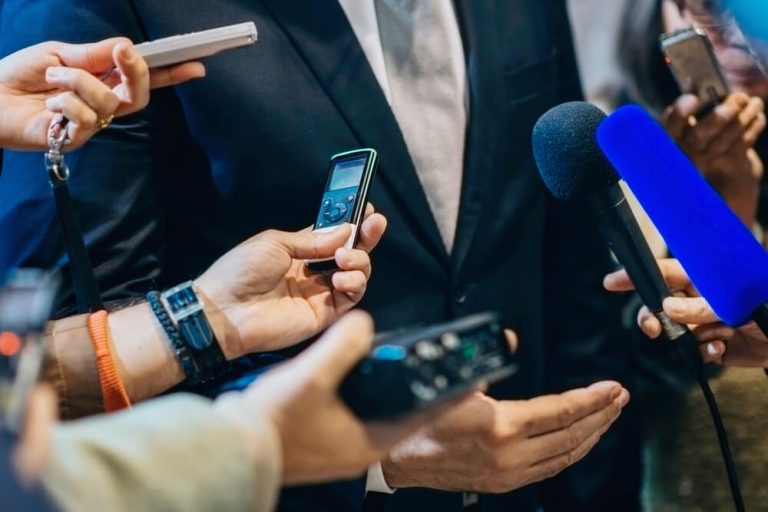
pixel 26 303
pixel 344 198
pixel 693 63
pixel 196 45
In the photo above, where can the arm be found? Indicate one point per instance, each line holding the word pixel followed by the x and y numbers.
pixel 257 297
pixel 176 453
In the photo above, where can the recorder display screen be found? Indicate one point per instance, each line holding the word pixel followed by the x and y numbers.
pixel 348 173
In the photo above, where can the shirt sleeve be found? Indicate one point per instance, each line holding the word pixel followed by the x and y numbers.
pixel 375 481
pixel 168 455
pixel 71 368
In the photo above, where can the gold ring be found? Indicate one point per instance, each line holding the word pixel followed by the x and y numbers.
pixel 104 122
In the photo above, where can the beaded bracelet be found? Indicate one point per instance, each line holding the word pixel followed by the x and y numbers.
pixel 178 346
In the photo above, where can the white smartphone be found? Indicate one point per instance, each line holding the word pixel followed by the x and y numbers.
pixel 196 45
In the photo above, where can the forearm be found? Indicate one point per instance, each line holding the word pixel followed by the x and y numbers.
pixel 143 357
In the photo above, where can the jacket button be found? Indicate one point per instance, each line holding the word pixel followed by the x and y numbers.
pixel 460 297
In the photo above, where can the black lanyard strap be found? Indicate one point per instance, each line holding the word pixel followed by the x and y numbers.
pixel 87 291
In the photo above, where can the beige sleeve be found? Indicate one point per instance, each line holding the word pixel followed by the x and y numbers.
pixel 71 367
pixel 168 455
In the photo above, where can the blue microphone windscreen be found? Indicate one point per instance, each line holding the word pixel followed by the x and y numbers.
pixel 723 259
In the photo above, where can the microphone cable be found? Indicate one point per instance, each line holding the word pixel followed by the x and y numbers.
pixel 687 347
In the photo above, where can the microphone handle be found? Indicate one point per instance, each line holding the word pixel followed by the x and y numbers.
pixel 619 228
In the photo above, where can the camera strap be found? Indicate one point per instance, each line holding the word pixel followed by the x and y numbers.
pixel 87 291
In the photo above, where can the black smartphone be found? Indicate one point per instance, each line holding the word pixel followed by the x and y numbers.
pixel 693 63
pixel 344 198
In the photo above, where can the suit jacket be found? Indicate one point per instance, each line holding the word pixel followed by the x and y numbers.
pixel 206 165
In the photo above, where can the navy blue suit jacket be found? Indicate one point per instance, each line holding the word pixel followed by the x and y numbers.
pixel 165 192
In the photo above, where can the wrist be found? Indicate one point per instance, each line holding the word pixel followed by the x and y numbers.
pixel 223 328
pixel 145 361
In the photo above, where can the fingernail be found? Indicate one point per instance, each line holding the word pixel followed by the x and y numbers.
pixel 624 398
pixel 52 73
pixel 712 350
pixel 126 54
pixel 612 386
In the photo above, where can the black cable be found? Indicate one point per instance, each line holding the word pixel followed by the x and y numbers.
pixel 688 350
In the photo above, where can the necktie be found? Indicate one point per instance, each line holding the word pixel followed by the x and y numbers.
pixel 427 81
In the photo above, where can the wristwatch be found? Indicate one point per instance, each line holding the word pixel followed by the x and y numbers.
pixel 185 311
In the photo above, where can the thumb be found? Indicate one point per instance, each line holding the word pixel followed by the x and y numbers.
pixel 341 347
pixel 309 244
pixel 93 57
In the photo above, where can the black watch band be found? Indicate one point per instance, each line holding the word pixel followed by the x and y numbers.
pixel 185 311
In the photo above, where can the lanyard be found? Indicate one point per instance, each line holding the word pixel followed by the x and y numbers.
pixel 86 290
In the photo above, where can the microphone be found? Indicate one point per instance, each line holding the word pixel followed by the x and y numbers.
pixel 574 168
pixel 721 256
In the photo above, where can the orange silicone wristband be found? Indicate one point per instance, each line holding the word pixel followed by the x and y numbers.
pixel 112 390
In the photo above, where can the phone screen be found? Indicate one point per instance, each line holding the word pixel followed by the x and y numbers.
pixel 347 174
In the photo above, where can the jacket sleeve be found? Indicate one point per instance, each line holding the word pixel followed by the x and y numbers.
pixel 171 454
pixel 117 179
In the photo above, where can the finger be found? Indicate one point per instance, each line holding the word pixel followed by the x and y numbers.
pixel 714 332
pixel 570 438
pixel 718 120
pixel 95 58
pixel 90 89
pixel 82 118
pixel 134 89
pixel 31 454
pixel 512 339
pixel 308 244
pixel 648 323
pixel 174 75
pixel 713 352
pixel 353 259
pixel 676 116
pixel 618 281
pixel 371 231
pixel 690 310
pixel 351 283
pixel 554 412
pixel 553 466
pixel 340 348
pixel 754 131
pixel 369 210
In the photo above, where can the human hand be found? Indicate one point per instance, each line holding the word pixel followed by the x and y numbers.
pixel 49 79
pixel 722 146
pixel 31 456
pixel 486 445
pixel 745 346
pixel 322 440
pixel 261 295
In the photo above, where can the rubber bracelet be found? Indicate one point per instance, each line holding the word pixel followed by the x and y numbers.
pixel 112 389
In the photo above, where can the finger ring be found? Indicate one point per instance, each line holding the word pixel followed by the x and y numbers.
pixel 104 122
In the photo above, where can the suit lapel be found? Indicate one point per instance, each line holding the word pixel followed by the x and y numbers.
pixel 483 69
pixel 323 37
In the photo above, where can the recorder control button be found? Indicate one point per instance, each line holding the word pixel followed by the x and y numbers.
pixel 351 198
pixel 335 212
pixel 327 203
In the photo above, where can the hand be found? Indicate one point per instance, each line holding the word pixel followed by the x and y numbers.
pixel 485 445
pixel 722 146
pixel 32 453
pixel 745 346
pixel 261 296
pixel 321 438
pixel 47 79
